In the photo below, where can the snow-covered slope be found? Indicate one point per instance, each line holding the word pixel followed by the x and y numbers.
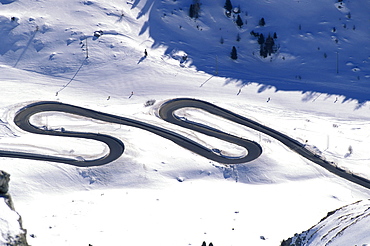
pixel 343 226
pixel 158 193
pixel 311 38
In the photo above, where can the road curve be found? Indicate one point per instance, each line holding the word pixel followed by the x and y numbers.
pixel 167 113
pixel 22 120
pixel 116 147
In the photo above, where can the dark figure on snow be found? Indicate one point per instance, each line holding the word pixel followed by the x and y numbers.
pixel 145 53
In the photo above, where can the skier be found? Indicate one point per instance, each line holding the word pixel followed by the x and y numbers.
pixel 145 53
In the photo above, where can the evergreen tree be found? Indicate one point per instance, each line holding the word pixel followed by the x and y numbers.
pixel 234 54
pixel 228 6
pixel 191 11
pixel 194 9
pixel 269 45
pixel 262 22
pixel 239 21
pixel 263 51
pixel 210 244
pixel 261 39
pixel 275 35
pixel 204 243
pixel 254 34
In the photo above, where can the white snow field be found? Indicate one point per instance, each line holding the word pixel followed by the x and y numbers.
pixel 315 89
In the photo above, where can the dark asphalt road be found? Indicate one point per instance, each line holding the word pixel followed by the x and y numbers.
pixel 167 113
pixel 116 147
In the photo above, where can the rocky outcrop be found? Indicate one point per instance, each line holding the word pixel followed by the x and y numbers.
pixel 4 182
pixel 11 230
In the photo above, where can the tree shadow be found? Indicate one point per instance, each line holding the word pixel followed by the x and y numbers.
pixel 148 5
pixel 144 28
pixel 26 48
pixel 6 1
pixel 141 59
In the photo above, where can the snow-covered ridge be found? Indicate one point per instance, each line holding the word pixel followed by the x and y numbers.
pixel 343 226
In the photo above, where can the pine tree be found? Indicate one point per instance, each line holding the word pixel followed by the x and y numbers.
pixel 210 244
pixel 234 54
pixel 204 243
pixel 254 34
pixel 191 11
pixel 262 22
pixel 239 21
pixel 261 39
pixel 194 9
pixel 228 6
pixel 269 45
pixel 263 52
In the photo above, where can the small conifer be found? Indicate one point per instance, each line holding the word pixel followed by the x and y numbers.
pixel 234 54
pixel 228 6
pixel 262 22
pixel 239 21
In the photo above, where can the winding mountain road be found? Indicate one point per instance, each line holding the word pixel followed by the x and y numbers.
pixel 167 113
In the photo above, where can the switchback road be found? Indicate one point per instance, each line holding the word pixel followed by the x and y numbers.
pixel 167 113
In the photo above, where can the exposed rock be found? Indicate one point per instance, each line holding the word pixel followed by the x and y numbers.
pixel 4 182
pixel 11 231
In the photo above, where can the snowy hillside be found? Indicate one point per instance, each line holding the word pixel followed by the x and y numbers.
pixel 340 227
pixel 309 37
pixel 314 88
